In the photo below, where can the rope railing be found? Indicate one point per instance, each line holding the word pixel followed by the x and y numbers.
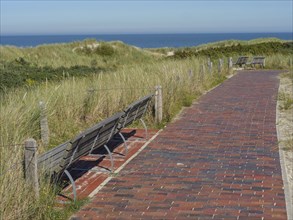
pixel 120 88
pixel 14 147
pixel 11 145
pixel 14 166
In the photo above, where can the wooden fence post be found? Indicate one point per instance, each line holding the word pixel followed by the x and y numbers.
pixel 202 71
pixel 44 124
pixel 230 63
pixel 31 164
pixel 209 63
pixel 211 67
pixel 220 65
pixel 190 73
pixel 158 104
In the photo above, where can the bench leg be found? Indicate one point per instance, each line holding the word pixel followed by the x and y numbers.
pixel 73 187
pixel 124 141
pixel 72 183
pixel 111 158
pixel 145 128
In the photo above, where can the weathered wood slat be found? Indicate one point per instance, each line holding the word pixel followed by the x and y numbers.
pixel 104 125
pixel 241 61
pixel 51 153
pixel 135 111
pixel 50 160
pixel 51 166
pixel 85 149
pixel 134 117
pixel 258 60
pixel 87 140
pixel 82 151
pixel 138 102
pixel 83 142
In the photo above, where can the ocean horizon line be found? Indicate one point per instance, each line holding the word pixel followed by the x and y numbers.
pixel 169 33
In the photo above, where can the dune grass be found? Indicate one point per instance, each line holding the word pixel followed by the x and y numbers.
pixel 79 53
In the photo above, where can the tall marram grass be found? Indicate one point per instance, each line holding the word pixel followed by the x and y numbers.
pixel 72 106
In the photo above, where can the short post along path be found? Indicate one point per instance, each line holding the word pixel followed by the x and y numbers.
pixel 219 160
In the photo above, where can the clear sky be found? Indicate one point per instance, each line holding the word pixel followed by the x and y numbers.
pixel 118 17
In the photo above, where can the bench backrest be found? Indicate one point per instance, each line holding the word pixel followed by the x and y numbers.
pixel 50 160
pixel 90 140
pixel 81 145
pixel 258 60
pixel 134 111
pixel 241 60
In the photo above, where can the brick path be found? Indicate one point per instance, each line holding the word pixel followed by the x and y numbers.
pixel 220 160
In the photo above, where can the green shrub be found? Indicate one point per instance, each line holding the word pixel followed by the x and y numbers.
pixel 21 73
pixel 104 49
pixel 266 48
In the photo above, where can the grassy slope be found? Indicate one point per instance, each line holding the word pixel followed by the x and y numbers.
pixel 73 54
pixel 31 66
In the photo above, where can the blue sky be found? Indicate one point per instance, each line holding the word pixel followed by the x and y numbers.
pixel 115 17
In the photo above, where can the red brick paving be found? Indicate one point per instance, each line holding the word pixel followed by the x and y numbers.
pixel 220 160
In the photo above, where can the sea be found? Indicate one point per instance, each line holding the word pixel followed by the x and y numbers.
pixel 141 40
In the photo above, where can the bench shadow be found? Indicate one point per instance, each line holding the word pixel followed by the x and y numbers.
pixel 83 165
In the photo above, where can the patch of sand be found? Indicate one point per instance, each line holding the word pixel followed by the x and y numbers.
pixel 285 135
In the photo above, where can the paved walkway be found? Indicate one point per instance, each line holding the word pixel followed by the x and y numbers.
pixel 220 160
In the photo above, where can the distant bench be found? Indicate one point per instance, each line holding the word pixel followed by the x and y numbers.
pixel 58 160
pixel 257 61
pixel 243 60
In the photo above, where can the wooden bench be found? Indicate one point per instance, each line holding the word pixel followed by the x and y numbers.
pixel 242 61
pixel 58 160
pixel 257 61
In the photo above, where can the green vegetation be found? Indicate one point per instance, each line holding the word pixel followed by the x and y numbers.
pixel 286 97
pixel 287 101
pixel 21 73
pixel 83 83
pixel 266 49
pixel 288 144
